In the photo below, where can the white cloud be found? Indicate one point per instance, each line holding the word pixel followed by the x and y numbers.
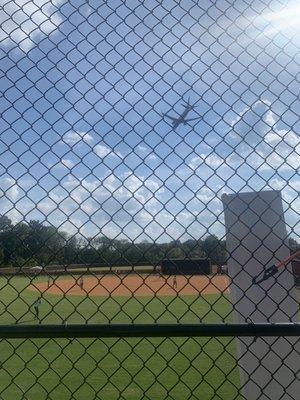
pixel 270 118
pixel 141 148
pixel 133 182
pixel 277 184
pixel 246 109
pixel 9 189
pixel 23 21
pixel 249 116
pixel 111 182
pixel 281 163
pixel 71 182
pixel 266 157
pixel 283 136
pixel 67 163
pixel 195 162
pixel 272 138
pixel 151 157
pixel 295 184
pixel 205 194
pixel 9 196
pixel 211 160
pixel 73 137
pixel 102 150
pixel 47 206
pixel 153 185
pixel 265 146
pixel 280 151
pixel 112 202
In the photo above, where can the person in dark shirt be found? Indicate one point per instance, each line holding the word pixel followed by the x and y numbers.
pixel 36 306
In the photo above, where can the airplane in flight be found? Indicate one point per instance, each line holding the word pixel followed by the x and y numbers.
pixel 176 121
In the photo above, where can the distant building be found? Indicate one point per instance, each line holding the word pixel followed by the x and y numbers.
pixel 186 266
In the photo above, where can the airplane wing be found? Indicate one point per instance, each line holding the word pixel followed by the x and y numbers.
pixel 191 119
pixel 172 118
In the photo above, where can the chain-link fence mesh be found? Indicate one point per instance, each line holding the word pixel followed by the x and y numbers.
pixel 149 187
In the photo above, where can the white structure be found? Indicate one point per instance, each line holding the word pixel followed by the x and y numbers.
pixel 256 239
pixel 36 269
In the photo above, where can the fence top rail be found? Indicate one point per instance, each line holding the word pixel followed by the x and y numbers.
pixel 148 330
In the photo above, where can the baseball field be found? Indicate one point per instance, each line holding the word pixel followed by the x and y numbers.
pixel 141 368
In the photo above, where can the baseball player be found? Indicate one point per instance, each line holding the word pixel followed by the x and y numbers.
pixel 36 306
pixel 174 282
pixel 81 282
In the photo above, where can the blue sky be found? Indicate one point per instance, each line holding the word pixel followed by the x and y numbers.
pixel 83 144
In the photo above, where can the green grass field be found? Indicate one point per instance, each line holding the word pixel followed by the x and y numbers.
pixel 141 368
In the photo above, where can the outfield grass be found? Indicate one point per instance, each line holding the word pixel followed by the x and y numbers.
pixel 172 368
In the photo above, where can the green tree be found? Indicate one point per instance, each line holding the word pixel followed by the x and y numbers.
pixel 5 224
pixel 71 251
pixel 215 249
pixel 5 240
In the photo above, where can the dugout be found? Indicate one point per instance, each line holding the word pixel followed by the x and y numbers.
pixel 182 266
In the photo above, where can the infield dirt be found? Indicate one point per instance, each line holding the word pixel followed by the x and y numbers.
pixel 135 285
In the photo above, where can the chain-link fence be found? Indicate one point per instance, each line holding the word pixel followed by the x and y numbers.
pixel 149 220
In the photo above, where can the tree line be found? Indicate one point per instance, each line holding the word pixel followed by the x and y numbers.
pixel 26 244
